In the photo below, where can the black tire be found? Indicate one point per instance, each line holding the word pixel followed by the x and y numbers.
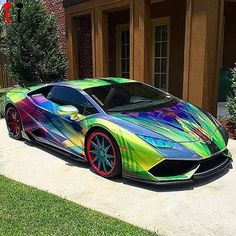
pixel 102 148
pixel 13 122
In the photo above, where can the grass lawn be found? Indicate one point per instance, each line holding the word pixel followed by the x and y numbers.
pixel 28 211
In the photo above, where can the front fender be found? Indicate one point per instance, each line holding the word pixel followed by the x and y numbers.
pixel 137 155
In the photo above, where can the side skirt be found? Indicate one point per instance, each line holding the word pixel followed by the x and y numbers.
pixel 70 155
pixel 29 137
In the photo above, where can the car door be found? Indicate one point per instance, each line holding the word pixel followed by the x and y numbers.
pixel 71 130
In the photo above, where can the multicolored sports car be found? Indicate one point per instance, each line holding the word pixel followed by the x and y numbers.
pixel 121 126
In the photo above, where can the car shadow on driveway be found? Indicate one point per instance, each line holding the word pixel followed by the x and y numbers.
pixel 148 186
pixel 69 161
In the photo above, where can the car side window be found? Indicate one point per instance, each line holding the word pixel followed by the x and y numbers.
pixel 69 96
pixel 41 91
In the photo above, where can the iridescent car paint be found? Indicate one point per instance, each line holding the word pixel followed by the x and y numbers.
pixel 165 144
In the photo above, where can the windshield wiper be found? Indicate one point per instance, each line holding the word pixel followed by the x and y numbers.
pixel 138 106
pixel 141 100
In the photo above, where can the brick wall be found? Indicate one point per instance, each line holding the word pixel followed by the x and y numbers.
pixel 56 6
pixel 85 58
pixel 83 32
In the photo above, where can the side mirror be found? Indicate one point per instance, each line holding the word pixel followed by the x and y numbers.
pixel 68 110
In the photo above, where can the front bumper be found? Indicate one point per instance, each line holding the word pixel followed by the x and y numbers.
pixel 212 166
pixel 202 169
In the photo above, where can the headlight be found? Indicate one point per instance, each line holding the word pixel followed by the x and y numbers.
pixel 157 143
pixel 171 150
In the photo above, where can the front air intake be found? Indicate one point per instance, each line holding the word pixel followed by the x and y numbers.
pixel 173 167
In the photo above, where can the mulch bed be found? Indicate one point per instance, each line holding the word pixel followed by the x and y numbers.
pixel 229 126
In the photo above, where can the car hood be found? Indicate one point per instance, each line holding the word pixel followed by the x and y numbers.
pixel 181 122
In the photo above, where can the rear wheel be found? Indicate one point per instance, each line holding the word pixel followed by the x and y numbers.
pixel 13 123
pixel 103 154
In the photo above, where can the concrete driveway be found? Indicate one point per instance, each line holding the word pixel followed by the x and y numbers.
pixel 208 209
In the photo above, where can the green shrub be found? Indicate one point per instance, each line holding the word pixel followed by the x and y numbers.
pixel 231 101
pixel 31 47
pixel 2 102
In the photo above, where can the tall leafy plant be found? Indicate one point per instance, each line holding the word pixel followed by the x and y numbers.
pixel 2 102
pixel 31 46
pixel 231 101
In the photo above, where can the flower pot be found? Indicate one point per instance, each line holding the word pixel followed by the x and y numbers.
pixel 232 134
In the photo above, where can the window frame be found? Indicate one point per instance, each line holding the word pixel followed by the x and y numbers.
pixel 158 22
pixel 119 29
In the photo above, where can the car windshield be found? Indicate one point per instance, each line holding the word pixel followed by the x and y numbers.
pixel 128 97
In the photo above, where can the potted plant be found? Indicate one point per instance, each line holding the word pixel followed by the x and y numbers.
pixel 230 123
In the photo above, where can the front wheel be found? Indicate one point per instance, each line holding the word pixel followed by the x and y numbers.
pixel 103 154
pixel 13 123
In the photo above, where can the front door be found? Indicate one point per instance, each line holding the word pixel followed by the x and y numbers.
pixel 70 129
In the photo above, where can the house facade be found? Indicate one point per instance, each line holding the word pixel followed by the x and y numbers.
pixel 177 45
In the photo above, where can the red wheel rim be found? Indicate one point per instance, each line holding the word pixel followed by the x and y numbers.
pixel 13 122
pixel 101 153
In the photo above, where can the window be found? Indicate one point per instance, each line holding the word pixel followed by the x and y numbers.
pixel 123 50
pixel 161 32
pixel 42 91
pixel 69 96
pixel 129 97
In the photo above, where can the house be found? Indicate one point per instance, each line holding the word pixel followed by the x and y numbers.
pixel 177 45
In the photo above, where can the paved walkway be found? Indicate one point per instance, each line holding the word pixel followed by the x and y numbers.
pixel 209 209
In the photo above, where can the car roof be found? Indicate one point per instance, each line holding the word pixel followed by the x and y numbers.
pixel 94 82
